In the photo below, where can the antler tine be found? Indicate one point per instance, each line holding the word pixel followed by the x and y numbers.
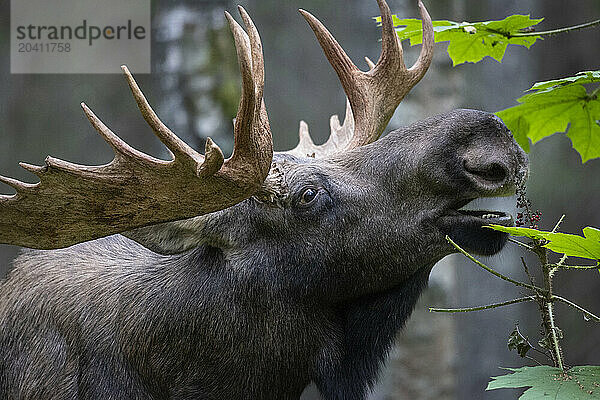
pixel 253 145
pixel 246 110
pixel 336 55
pixel 341 134
pixel 34 169
pixel 181 151
pixel 15 183
pixel 391 48
pixel 213 159
pixel 303 133
pixel 375 94
pixel 258 64
pixel 242 47
pixel 424 61
pixel 120 147
pixel 339 60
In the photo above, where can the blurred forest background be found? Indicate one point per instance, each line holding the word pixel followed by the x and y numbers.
pixel 195 87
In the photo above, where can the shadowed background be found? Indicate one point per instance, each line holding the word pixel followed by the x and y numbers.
pixel 195 89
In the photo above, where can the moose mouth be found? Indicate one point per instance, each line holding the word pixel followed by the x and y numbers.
pixel 467 229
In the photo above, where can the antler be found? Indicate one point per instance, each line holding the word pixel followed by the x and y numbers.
pixel 373 96
pixel 75 203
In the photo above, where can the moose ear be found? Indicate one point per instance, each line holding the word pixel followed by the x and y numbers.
pixel 170 237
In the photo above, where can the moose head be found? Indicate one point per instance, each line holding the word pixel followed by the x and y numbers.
pixel 253 276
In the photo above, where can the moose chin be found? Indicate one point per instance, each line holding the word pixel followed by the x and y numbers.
pixel 251 277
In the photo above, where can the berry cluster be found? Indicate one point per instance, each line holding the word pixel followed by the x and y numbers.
pixel 527 217
pixel 519 221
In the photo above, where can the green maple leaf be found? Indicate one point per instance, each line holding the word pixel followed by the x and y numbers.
pixel 412 29
pixel 581 78
pixel 471 42
pixel 545 382
pixel 519 231
pixel 587 246
pixel 555 106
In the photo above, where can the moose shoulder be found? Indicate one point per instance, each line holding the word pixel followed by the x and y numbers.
pixel 246 278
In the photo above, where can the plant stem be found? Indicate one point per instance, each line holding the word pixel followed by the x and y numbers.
pixel 547 270
pixel 486 307
pixel 575 266
pixel 557 350
pixel 528 247
pixel 547 311
pixel 559 221
pixel 492 271
pixel 527 272
pixel 577 307
pixel 559 30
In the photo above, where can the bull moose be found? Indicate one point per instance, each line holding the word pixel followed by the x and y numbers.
pixel 246 278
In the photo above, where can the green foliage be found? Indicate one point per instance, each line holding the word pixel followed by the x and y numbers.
pixel 472 41
pixel 576 246
pixel 580 78
pixel 518 231
pixel 554 105
pixel 551 106
pixel 545 382
pixel 587 246
pixel 559 105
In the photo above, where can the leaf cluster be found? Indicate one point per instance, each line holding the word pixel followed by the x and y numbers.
pixel 559 105
pixel 472 41
pixel 587 246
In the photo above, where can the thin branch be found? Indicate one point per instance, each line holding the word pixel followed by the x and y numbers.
pixel 575 266
pixel 556 267
pixel 528 247
pixel 527 272
pixel 559 30
pixel 486 307
pixel 558 223
pixel 547 309
pixel 544 353
pixel 577 307
pixel 557 350
pixel 492 271
pixel 595 93
pixel 534 360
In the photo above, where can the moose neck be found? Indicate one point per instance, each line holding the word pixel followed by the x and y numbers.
pixel 351 365
pixel 335 344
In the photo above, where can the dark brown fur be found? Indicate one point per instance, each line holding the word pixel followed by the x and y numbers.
pixel 256 301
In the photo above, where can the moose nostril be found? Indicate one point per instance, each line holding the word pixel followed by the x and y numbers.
pixel 493 172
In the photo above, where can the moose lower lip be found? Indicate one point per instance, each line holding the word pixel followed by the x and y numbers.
pixel 468 229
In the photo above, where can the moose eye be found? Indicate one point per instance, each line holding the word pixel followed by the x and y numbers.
pixel 308 195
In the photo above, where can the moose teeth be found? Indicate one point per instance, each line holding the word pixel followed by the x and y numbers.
pixel 490 216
